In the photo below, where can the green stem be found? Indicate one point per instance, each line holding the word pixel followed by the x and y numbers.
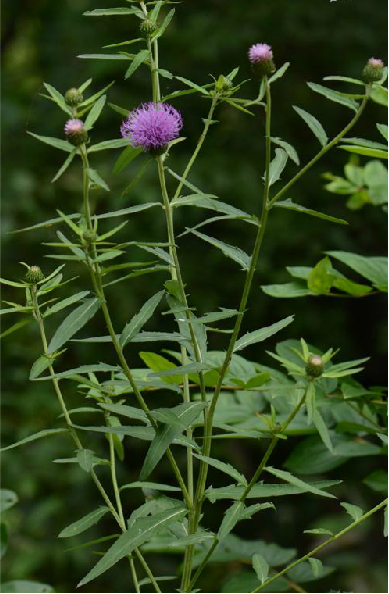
pixel 117 515
pixel 253 481
pixel 322 545
pixel 200 143
pixel 99 290
pixel 272 445
pixel 147 570
pixel 326 148
pixel 242 307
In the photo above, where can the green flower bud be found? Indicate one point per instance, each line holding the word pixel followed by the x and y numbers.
pixel 89 237
pixel 73 97
pixel 34 275
pixel 148 26
pixel 223 84
pixel 314 366
pixel 373 70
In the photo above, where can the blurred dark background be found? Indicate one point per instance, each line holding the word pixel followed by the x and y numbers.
pixel 40 42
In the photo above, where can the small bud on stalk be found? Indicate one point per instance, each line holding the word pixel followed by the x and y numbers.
pixel 373 70
pixel 148 26
pixel 75 131
pixel 261 58
pixel 34 275
pixel 73 97
pixel 314 366
pixel 89 237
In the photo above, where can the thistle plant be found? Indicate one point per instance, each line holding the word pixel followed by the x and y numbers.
pixel 304 396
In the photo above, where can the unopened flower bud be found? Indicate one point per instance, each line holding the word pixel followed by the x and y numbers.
pixel 34 275
pixel 148 26
pixel 261 58
pixel 223 84
pixel 373 70
pixel 314 366
pixel 89 237
pixel 75 131
pixel 73 97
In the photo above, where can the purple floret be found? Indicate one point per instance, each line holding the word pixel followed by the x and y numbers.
pixel 152 126
pixel 376 63
pixel 259 52
pixel 73 126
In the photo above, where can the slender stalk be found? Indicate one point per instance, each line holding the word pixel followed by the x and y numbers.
pixel 322 545
pixel 118 515
pixel 199 145
pixel 253 481
pixel 147 570
pixel 326 148
pixel 99 289
pixel 242 307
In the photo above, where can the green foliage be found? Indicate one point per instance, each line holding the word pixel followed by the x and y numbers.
pixel 209 395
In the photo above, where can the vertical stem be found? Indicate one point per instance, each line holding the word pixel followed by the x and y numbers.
pixel 242 307
pixel 99 289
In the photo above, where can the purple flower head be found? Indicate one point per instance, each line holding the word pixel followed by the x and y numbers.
pixel 259 52
pixel 74 126
pixel 75 131
pixel 376 63
pixel 152 126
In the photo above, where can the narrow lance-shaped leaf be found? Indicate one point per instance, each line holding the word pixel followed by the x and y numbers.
pixel 121 11
pixel 289 205
pixel 96 179
pixel 288 148
pixel 39 435
pixel 95 112
pixel 334 96
pixel 277 166
pixel 140 57
pixel 165 435
pixel 63 145
pixel 226 468
pixel 142 531
pixel 262 334
pixel 293 480
pixel 231 518
pixel 313 124
pixel 65 303
pixel 65 165
pixel 230 251
pixel 83 523
pixel 139 320
pixel 165 24
pixel 72 323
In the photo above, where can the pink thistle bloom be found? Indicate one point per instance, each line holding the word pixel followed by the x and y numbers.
pixel 376 63
pixel 260 52
pixel 152 126
pixel 74 126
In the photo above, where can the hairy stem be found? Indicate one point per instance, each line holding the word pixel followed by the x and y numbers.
pixel 322 545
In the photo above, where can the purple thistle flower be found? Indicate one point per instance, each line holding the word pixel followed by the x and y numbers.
pixel 74 126
pixel 376 63
pixel 261 58
pixel 152 126
pixel 259 52
pixel 75 131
